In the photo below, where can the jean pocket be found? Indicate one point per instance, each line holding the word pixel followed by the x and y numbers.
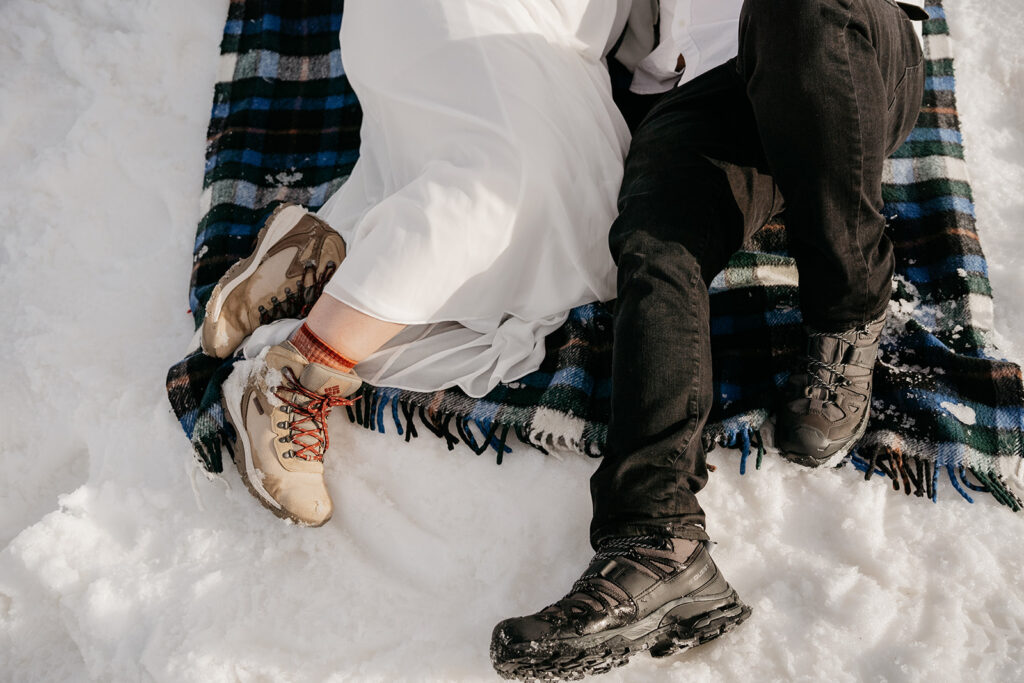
pixel 905 105
pixel 912 76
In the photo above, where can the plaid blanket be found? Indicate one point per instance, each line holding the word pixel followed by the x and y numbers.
pixel 285 127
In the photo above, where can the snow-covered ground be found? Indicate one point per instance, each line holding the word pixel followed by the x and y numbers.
pixel 111 571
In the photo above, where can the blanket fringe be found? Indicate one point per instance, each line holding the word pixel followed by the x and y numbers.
pixel 208 449
pixel 919 476
pixel 479 435
pixel 915 475
pixel 994 483
pixel 743 436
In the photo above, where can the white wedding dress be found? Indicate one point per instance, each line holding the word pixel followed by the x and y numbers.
pixel 491 157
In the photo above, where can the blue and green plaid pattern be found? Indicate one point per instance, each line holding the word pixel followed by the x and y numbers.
pixel 285 127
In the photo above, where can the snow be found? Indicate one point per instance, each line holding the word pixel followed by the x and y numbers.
pixel 111 569
pixel 961 412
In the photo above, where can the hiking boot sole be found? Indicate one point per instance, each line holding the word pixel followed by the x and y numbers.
pixel 602 652
pixel 245 465
pixel 283 219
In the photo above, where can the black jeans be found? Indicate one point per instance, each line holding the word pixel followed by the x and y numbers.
pixel 821 93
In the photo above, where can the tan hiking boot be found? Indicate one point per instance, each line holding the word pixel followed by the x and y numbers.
pixel 280 424
pixel 296 253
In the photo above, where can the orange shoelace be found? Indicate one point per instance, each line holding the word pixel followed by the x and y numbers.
pixel 314 411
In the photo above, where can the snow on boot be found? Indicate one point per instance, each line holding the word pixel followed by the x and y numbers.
pixel 280 423
pixel 296 253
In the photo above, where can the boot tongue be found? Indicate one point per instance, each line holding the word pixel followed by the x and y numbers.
pixel 666 554
pixel 328 381
pixel 826 349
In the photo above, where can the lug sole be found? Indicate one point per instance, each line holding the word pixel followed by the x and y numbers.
pixel 526 661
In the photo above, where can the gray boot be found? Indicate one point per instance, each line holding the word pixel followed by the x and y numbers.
pixel 830 397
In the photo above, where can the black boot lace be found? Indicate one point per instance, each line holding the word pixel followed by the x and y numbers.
pixel 650 555
pixel 825 375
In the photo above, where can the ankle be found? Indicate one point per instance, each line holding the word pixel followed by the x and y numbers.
pixel 316 350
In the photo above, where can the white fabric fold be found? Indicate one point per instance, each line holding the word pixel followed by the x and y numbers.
pixel 491 156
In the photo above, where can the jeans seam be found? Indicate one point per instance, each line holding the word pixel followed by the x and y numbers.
pixel 860 168
pixel 696 279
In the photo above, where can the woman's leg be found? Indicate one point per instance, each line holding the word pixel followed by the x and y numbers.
pixel 280 417
pixel 350 333
pixel 490 154
pixel 295 250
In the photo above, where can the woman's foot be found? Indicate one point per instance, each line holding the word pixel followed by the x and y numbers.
pixel 295 255
pixel 280 423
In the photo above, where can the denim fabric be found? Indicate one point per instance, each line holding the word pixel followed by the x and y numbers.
pixel 821 93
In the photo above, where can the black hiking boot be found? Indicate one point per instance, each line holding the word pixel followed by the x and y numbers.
pixel 638 594
pixel 830 399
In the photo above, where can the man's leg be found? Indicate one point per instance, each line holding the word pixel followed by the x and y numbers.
pixel 681 217
pixel 652 584
pixel 832 101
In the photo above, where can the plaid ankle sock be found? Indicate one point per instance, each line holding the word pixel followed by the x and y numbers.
pixel 317 351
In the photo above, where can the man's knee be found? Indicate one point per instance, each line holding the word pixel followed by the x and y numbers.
pixel 657 165
pixel 679 255
pixel 662 191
